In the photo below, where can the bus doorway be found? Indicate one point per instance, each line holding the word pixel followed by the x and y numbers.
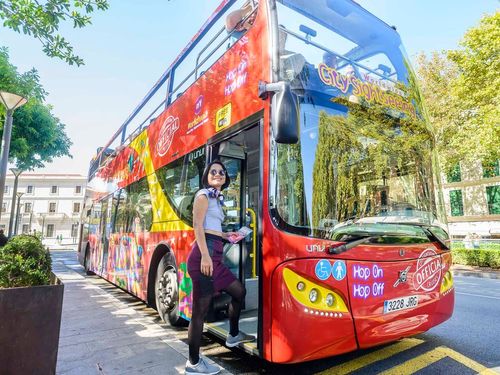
pixel 241 154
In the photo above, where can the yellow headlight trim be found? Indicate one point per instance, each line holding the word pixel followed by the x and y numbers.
pixel 291 281
pixel 447 282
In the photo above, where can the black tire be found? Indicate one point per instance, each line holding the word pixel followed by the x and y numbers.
pixel 87 261
pixel 167 292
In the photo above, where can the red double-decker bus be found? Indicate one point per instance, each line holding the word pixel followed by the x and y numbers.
pixel 315 111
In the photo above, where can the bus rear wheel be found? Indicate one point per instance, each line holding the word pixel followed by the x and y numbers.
pixel 167 293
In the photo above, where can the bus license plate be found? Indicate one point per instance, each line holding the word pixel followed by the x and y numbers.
pixel 402 303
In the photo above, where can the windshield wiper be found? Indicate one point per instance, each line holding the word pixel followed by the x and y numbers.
pixel 349 244
pixel 427 230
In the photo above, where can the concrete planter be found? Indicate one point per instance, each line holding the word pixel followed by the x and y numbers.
pixel 30 320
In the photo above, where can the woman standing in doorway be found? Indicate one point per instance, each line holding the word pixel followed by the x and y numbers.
pixel 207 270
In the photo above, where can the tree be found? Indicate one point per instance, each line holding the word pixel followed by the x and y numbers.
pixel 37 135
pixel 462 97
pixel 42 21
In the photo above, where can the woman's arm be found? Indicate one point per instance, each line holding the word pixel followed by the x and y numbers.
pixel 200 208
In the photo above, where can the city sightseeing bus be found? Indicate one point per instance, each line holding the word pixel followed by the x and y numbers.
pixel 314 109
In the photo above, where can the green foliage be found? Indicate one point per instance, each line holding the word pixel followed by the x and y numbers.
pixel 462 96
pixel 481 257
pixel 41 20
pixel 24 262
pixel 37 135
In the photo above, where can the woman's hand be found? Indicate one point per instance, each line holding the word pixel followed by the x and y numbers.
pixel 207 266
pixel 230 234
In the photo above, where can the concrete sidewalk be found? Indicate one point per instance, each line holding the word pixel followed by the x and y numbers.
pixel 106 331
pixel 474 271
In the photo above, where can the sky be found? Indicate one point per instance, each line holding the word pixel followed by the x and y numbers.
pixel 129 46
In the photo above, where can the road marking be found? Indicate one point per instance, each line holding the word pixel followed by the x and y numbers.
pixel 416 364
pixel 424 360
pixel 466 361
pixel 368 359
pixel 477 295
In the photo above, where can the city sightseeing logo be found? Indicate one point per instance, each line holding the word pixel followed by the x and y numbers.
pixel 167 131
pixel 428 272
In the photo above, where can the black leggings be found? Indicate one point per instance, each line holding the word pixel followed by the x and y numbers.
pixel 200 309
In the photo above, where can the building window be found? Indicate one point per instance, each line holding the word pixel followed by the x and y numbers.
pixel 454 175
pixel 6 190
pixel 26 228
pixel 456 203
pixel 76 208
pixel 52 207
pixel 27 207
pixel 493 196
pixel 30 189
pixel 53 190
pixel 491 169
pixel 4 207
pixel 74 230
pixel 78 189
pixel 50 230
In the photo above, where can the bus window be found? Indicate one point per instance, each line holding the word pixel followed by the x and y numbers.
pixel 180 180
pixel 138 209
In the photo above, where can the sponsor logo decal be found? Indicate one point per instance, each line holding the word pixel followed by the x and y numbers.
pixel 315 248
pixel 167 131
pixel 198 105
pixel 428 272
pixel 236 77
pixel 223 117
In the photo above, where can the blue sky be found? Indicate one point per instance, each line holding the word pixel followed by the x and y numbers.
pixel 128 47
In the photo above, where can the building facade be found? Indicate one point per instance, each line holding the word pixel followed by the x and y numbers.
pixel 472 200
pixel 50 204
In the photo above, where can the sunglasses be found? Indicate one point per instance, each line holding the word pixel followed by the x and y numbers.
pixel 214 172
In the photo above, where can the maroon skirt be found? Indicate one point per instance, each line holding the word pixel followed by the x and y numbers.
pixel 221 277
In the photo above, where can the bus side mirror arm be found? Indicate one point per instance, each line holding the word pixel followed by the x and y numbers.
pixel 285 119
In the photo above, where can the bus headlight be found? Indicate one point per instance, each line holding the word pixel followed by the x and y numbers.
pixel 330 299
pixel 316 298
pixel 313 295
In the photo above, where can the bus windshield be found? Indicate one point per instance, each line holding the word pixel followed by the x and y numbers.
pixel 365 156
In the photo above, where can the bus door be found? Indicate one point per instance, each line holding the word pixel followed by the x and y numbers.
pixel 240 154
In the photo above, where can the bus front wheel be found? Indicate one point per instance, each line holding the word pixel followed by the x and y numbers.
pixel 167 293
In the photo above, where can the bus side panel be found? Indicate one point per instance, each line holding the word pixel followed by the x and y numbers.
pixel 329 330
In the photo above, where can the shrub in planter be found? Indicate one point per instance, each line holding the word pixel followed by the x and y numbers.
pixel 30 308
pixel 24 262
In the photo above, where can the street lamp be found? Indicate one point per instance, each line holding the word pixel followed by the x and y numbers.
pixel 11 103
pixel 19 195
pixel 16 172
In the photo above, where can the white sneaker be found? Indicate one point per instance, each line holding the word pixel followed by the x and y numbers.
pixel 241 337
pixel 202 367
